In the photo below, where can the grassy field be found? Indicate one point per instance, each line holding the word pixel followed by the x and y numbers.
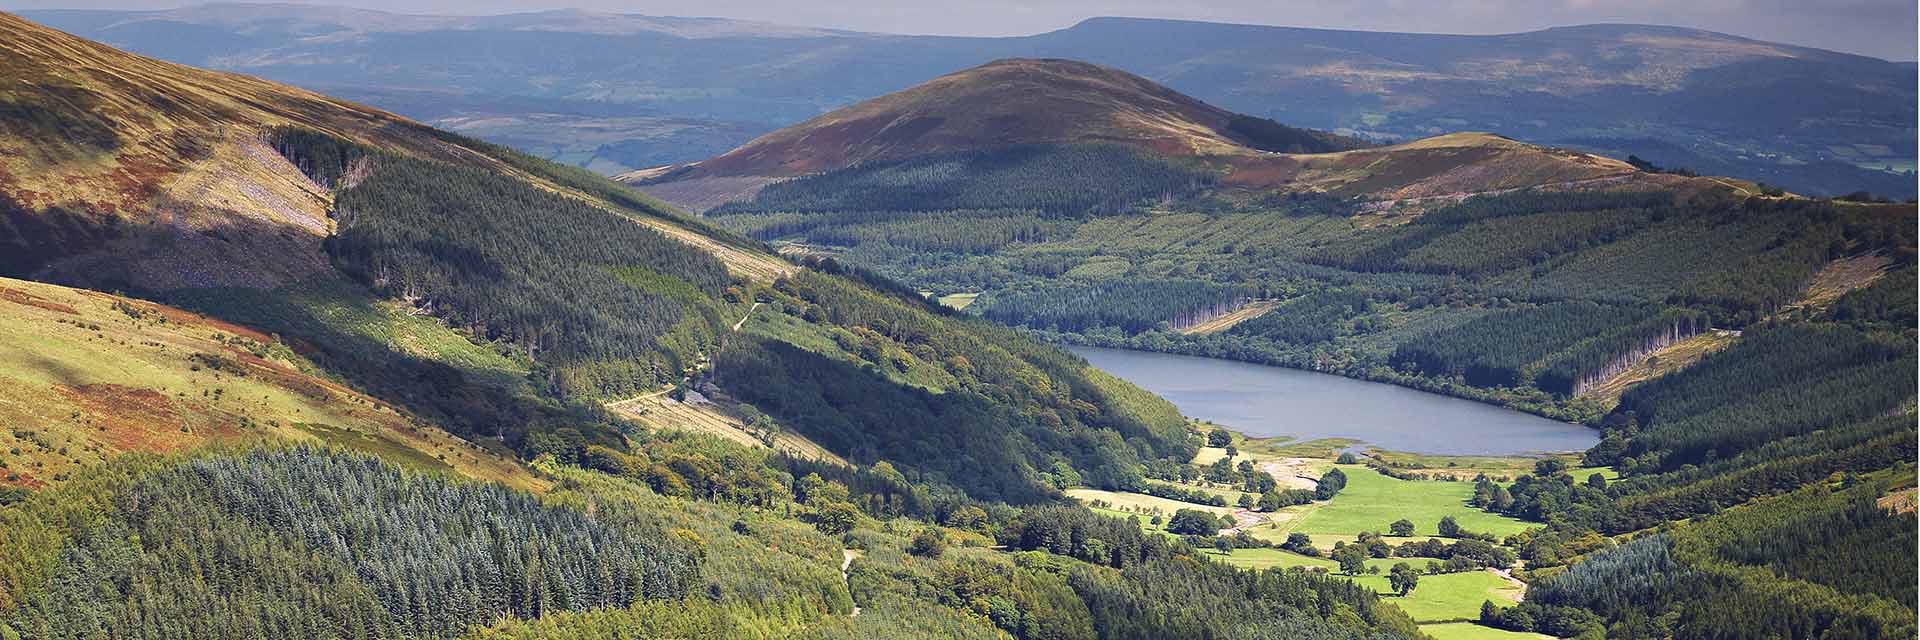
pixel 1448 597
pixel 86 376
pixel 1140 503
pixel 1372 501
pixel 1471 631
pixel 1439 598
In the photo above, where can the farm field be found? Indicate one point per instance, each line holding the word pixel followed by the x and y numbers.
pixel 1372 501
pixel 1471 631
pixel 1140 503
pixel 1439 598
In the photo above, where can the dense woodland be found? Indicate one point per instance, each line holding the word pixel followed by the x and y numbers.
pixel 613 306
pixel 1757 491
pixel 1012 411
pixel 1768 452
pixel 1132 306
pixel 1524 299
pixel 305 543
pixel 459 243
pixel 1819 562
pixel 145 550
pixel 1060 180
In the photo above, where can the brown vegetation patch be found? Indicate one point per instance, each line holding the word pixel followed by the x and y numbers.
pixel 1902 501
pixel 131 419
pixel 21 297
pixel 1269 171
pixel 1001 103
pixel 21 478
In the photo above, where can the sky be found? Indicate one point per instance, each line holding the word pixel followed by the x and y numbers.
pixel 1879 28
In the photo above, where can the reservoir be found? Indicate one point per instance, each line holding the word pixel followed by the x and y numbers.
pixel 1268 401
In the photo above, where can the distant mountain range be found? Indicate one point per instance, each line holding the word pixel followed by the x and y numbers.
pixel 621 92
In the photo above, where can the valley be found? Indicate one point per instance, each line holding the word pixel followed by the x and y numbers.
pixel 1035 350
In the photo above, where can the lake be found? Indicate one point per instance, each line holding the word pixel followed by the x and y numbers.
pixel 1273 401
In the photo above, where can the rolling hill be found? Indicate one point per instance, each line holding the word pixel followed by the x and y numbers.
pixel 498 296
pixel 327 309
pixel 331 308
pixel 1716 103
pixel 1006 104
pixel 993 119
pixel 1748 353
pixel 1003 103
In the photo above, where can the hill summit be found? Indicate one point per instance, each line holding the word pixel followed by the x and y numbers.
pixel 1015 101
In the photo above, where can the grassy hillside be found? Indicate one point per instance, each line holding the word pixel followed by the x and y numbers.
pixel 91 377
pixel 501 296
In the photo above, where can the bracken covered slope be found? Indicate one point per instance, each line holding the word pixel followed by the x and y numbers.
pixel 1001 103
pixel 160 168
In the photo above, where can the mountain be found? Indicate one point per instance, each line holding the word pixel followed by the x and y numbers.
pixel 1748 353
pixel 333 313
pixel 1139 244
pixel 1679 97
pixel 499 296
pixel 1011 119
pixel 1006 104
pixel 999 104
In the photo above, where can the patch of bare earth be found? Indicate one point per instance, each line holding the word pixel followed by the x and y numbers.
pixel 1836 278
pixel 1227 320
pixel 659 412
pixel 1292 473
pixel 1902 501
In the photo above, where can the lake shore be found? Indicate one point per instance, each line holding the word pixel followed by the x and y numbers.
pixel 1266 401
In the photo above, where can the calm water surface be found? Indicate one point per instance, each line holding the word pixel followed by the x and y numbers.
pixel 1272 401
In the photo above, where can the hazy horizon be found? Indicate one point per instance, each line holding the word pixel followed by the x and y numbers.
pixel 1879 28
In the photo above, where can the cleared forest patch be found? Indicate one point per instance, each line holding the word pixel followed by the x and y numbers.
pixel 1671 358
pixel 659 412
pixel 1837 277
pixel 1227 321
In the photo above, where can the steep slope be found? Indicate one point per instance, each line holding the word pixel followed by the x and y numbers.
pixel 502 297
pixel 507 298
pixel 1682 97
pixel 1558 267
pixel 124 171
pixel 87 377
